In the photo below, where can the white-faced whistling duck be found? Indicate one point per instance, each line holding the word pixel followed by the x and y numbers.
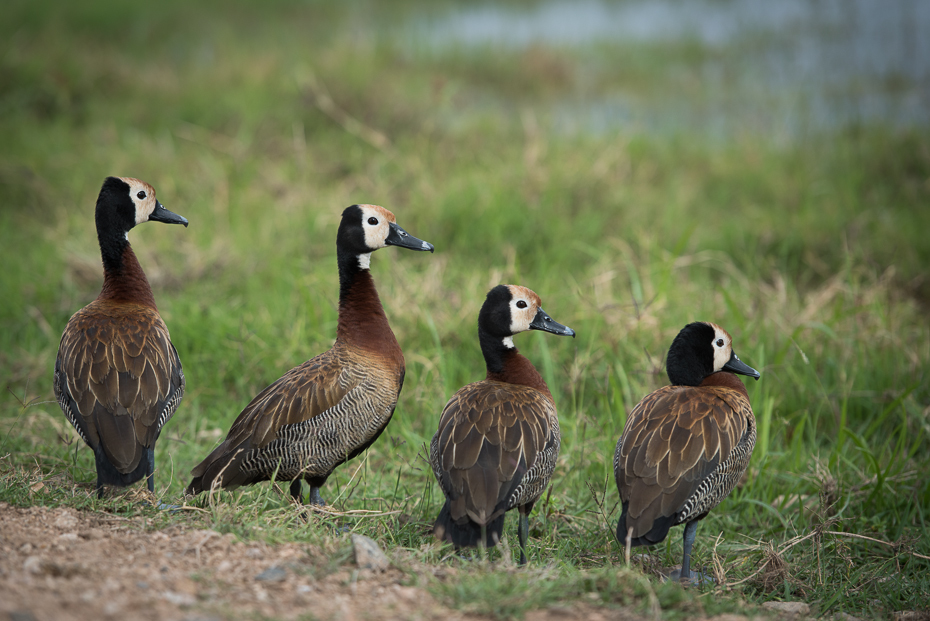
pixel 685 446
pixel 334 406
pixel 498 439
pixel 118 378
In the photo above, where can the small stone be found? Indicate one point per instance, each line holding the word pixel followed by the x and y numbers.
pixel 33 565
pixel 21 615
pixel 142 585
pixel 275 573
pixel 67 537
pixel 789 609
pixel 179 599
pixel 111 608
pixel 911 615
pixel 368 555
pixel 66 521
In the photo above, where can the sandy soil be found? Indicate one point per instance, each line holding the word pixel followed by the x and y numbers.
pixel 62 564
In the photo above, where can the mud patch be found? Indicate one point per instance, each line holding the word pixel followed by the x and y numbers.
pixel 64 564
pixel 61 564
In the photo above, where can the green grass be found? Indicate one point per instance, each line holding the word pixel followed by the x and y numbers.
pixel 261 128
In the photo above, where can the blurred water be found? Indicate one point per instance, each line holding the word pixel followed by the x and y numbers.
pixel 781 65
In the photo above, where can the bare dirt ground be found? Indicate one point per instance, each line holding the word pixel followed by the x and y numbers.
pixel 63 564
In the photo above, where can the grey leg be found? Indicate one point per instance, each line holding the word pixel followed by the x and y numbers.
pixel 690 532
pixel 151 474
pixel 315 498
pixel 522 530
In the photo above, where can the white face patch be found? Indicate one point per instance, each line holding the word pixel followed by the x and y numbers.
pixel 364 261
pixel 723 347
pixel 376 223
pixel 143 197
pixel 523 306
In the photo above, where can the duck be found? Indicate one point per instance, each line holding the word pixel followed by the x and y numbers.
pixel 118 377
pixel 498 439
pixel 332 407
pixel 685 446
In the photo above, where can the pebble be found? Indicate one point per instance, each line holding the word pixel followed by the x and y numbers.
pixel 275 573
pixel 368 555
pixel 788 609
pixel 66 521
pixel 33 565
pixel 179 599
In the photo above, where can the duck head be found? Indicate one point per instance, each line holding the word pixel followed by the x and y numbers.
pixel 366 228
pixel 701 349
pixel 511 309
pixel 125 202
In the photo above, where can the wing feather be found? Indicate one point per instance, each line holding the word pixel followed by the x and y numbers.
pixel 491 435
pixel 121 378
pixel 674 439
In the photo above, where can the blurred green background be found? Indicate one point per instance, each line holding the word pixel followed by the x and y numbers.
pixel 639 165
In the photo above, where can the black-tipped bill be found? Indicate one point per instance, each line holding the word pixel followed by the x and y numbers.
pixel 168 217
pixel 400 237
pixel 544 322
pixel 735 365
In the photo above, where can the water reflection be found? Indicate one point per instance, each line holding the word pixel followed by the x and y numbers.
pixel 790 65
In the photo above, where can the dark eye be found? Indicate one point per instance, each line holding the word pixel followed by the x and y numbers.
pixel 719 342
pixel 372 221
pixel 521 304
pixel 141 194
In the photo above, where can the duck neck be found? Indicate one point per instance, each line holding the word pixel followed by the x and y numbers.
pixel 123 278
pixel 506 364
pixel 727 380
pixel 362 321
